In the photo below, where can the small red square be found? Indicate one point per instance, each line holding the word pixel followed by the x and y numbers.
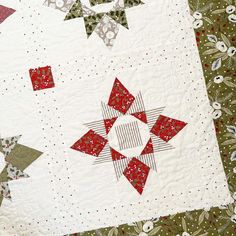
pixel 41 78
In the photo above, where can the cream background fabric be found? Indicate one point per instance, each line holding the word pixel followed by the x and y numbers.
pixel 66 193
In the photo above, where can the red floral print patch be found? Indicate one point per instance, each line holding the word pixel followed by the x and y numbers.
pixel 166 128
pixel 41 78
pixel 137 173
pixel 148 148
pixel 116 156
pixel 91 143
pixel 109 123
pixel 141 116
pixel 120 99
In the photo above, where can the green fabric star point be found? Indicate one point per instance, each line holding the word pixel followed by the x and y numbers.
pixel 18 157
pixel 91 21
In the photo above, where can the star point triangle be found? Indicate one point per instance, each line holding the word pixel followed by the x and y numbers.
pixel 120 98
pixel 141 116
pixel 148 148
pixel 109 124
pixel 5 12
pixel 8 144
pixel 76 11
pixel 137 173
pixel 14 173
pixel 116 156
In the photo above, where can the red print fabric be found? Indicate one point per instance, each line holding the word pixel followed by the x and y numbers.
pixel 91 143
pixel 148 148
pixel 141 116
pixel 120 98
pixel 109 123
pixel 5 12
pixel 166 128
pixel 41 78
pixel 116 156
pixel 137 173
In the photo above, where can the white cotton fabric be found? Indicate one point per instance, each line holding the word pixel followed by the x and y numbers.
pixel 158 56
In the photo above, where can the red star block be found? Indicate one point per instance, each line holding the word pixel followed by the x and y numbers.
pixel 137 173
pixel 166 128
pixel 5 12
pixel 120 98
pixel 41 78
pixel 91 143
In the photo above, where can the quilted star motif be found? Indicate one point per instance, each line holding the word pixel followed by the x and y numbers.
pixel 105 24
pixel 129 136
pixel 17 158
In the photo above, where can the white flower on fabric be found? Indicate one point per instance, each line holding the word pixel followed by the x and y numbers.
pixel 230 9
pixel 218 79
pixel 112 41
pixel 197 15
pixel 222 207
pixel 220 45
pixel 105 20
pixel 234 170
pixel 110 35
pixel 233 218
pixel 104 28
pixel 234 196
pixel 186 234
pixel 132 224
pixel 232 18
pixel 148 226
pixel 233 156
pixel 231 51
pixel 106 40
pixel 59 3
pixel 143 234
pixel 155 219
pixel 207 208
pixel 197 24
pixel 212 38
pixel 211 109
pixel 231 129
pixel 216 114
pixel 216 105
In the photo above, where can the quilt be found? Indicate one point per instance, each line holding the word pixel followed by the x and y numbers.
pixel 118 117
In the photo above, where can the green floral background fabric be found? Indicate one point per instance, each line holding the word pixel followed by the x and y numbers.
pixel 214 23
